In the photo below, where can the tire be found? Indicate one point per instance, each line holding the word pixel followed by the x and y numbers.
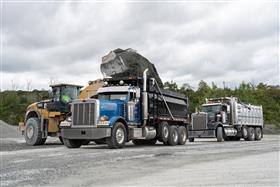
pixel 173 136
pixel 258 133
pixel 61 139
pixel 191 139
pixel 220 134
pixel 182 135
pixel 163 132
pixel 251 134
pixel 144 142
pixel 32 132
pixel 72 143
pixel 118 136
pixel 244 131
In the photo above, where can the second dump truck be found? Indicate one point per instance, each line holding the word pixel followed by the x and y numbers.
pixel 227 118
pixel 129 107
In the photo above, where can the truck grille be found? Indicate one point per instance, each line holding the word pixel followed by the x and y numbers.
pixel 83 114
pixel 199 121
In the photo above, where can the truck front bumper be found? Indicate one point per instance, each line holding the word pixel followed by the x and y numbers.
pixel 201 134
pixel 85 133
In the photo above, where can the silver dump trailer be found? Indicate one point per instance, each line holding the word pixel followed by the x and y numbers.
pixel 227 119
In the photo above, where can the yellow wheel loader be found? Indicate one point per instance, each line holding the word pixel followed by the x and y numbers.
pixel 42 118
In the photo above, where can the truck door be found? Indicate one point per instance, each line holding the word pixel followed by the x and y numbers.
pixel 133 107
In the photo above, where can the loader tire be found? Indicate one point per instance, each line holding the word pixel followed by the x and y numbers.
pixel 182 135
pixel 163 132
pixel 32 132
pixel 258 133
pixel 118 136
pixel 72 143
pixel 173 135
pixel 220 134
pixel 251 134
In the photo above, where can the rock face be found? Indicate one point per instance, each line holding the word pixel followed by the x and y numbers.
pixel 121 63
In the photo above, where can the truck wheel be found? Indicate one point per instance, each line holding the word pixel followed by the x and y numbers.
pixel 32 132
pixel 118 136
pixel 144 142
pixel 258 133
pixel 72 143
pixel 173 135
pixel 163 132
pixel 182 135
pixel 220 134
pixel 191 139
pixel 251 134
pixel 244 131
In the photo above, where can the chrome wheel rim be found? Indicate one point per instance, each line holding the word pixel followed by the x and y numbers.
pixel 120 135
pixel 245 132
pixel 165 131
pixel 184 136
pixel 30 132
pixel 175 136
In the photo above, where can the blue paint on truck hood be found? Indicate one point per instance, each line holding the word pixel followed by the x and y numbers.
pixel 112 108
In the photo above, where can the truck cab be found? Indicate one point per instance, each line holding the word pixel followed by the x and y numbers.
pixel 122 101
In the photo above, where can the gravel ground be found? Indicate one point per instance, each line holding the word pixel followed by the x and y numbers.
pixel 203 162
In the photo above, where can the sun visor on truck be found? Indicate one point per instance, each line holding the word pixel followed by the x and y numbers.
pixel 127 63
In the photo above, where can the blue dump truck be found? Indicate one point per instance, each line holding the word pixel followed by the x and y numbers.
pixel 128 107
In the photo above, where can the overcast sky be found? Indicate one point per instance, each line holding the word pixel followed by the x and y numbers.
pixel 187 41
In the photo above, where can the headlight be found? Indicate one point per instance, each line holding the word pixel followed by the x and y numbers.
pixel 65 124
pixel 104 118
pixel 69 119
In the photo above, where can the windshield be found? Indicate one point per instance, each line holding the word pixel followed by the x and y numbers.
pixel 66 94
pixel 113 96
pixel 211 108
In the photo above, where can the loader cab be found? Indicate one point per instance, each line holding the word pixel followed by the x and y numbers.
pixel 61 95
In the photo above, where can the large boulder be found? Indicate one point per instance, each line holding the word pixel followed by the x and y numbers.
pixel 121 63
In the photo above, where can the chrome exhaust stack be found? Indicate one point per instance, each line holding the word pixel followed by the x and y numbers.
pixel 145 99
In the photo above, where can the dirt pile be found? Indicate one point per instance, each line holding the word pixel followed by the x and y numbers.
pixel 121 63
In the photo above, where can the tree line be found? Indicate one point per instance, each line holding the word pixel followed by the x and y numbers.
pixel 13 103
pixel 266 95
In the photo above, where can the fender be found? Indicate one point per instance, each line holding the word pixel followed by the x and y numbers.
pixel 113 120
pixel 218 125
pixel 32 114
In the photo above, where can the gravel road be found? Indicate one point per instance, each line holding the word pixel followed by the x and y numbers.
pixel 203 162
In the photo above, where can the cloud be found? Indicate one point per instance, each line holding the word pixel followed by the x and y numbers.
pixel 188 42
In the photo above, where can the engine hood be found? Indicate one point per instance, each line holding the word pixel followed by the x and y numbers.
pixel 112 108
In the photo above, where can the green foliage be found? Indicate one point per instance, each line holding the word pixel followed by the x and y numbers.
pixel 267 96
pixel 13 104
